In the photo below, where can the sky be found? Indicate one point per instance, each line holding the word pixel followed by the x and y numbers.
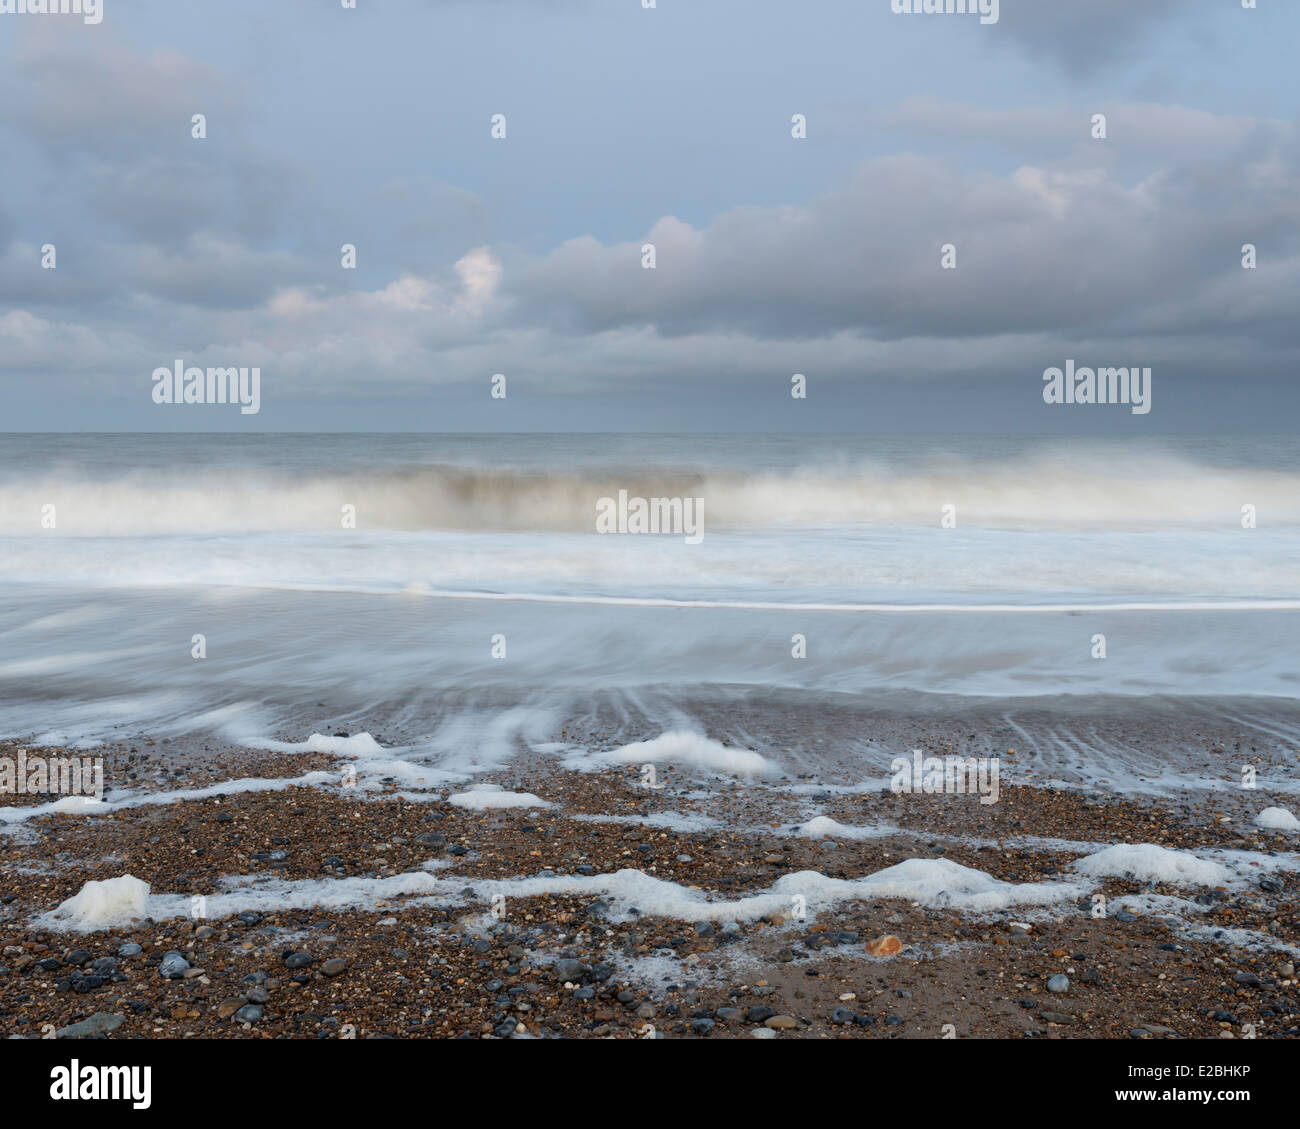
pixel 774 255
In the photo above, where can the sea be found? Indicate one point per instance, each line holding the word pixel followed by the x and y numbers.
pixel 1113 606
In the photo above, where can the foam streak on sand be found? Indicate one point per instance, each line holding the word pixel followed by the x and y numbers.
pixel 935 882
pixel 634 895
pixel 83 806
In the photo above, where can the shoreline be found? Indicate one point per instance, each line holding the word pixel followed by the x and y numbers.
pixel 428 958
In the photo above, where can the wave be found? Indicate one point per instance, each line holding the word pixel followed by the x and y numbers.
pixel 1028 491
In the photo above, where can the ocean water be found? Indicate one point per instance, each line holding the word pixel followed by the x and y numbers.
pixel 464 545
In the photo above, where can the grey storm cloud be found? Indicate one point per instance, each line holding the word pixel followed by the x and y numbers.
pixel 227 250
pixel 1068 247
pixel 1087 34
pixel 84 96
pixel 114 124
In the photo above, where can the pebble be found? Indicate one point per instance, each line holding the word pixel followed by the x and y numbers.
pixel 130 949
pixel 173 966
pixel 781 1022
pixel 101 1023
pixel 249 1013
pixel 1058 984
pixel 886 946
pixel 335 967
pixel 298 960
pixel 569 969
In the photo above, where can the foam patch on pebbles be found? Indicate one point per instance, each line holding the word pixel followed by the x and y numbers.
pixel 680 747
pixel 823 827
pixel 666 820
pixel 375 762
pixel 1277 819
pixel 102 905
pixel 862 788
pixel 934 882
pixel 1181 915
pixel 358 745
pixel 485 796
pixel 83 806
pixel 117 901
pixel 406 773
pixel 76 805
pixel 1148 862
pixel 378 763
pixel 1185 920
pixel 1172 909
